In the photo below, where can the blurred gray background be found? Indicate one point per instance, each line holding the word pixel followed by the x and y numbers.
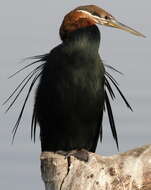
pixel 30 28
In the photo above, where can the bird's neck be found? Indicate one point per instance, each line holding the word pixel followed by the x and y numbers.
pixel 86 37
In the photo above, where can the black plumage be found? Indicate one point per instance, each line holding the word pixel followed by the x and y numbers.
pixel 72 93
pixel 70 97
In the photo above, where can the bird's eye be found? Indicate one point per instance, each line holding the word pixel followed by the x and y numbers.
pixel 107 18
pixel 96 14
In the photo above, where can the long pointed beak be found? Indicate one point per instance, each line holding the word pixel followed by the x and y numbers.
pixel 112 22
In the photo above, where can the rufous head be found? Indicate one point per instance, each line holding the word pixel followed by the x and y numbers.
pixel 88 15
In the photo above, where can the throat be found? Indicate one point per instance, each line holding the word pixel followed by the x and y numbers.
pixel 86 37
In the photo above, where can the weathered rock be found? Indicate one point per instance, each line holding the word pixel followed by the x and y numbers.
pixel 127 171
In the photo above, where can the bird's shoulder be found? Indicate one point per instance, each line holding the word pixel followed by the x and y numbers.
pixel 67 57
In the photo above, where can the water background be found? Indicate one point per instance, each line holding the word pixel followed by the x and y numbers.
pixel 31 27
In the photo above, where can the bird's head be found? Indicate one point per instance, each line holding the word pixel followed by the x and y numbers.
pixel 89 15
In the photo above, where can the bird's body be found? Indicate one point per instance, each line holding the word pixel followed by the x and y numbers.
pixel 70 96
pixel 73 89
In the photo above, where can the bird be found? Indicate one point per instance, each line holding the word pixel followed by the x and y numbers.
pixel 74 88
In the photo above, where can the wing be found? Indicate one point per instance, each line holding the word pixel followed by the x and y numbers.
pixel 36 73
pixel 108 90
pixel 31 78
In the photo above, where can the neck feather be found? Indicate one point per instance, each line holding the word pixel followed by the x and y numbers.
pixel 85 37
